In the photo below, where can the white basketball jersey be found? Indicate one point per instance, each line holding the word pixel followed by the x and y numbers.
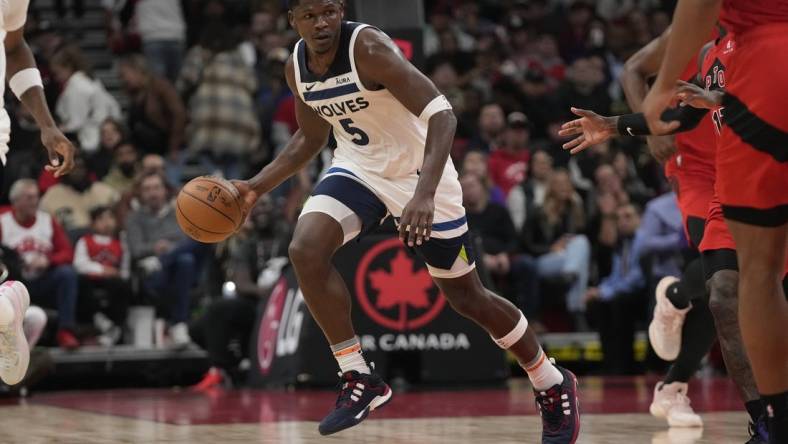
pixel 28 241
pixel 373 129
pixel 13 14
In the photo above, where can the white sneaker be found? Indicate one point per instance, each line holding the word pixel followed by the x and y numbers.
pixel 671 402
pixel 14 350
pixel 664 331
pixel 35 322
pixel 179 335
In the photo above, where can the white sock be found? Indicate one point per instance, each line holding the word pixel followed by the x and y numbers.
pixel 542 372
pixel 349 356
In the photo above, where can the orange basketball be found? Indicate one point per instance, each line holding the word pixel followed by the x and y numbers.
pixel 208 209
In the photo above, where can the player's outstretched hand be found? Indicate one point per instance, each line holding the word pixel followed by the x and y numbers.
pixel 697 97
pixel 248 197
pixel 590 129
pixel 656 102
pixel 57 146
pixel 415 225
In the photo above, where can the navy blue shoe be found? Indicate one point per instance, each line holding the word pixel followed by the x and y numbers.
pixel 560 410
pixel 759 432
pixel 360 394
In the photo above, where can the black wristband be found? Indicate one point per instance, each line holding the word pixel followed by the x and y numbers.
pixel 632 125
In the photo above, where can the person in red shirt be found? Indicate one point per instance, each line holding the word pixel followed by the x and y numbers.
pixel 508 164
pixel 103 266
pixel 752 171
pixel 46 255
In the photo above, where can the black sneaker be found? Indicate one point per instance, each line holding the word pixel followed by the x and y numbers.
pixel 759 432
pixel 560 410
pixel 359 394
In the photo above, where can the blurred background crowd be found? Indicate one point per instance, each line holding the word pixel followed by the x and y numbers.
pixel 156 92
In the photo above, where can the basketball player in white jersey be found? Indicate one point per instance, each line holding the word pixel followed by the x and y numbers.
pixel 19 68
pixel 393 131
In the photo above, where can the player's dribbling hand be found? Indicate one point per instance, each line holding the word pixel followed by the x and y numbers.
pixel 415 225
pixel 248 197
pixel 656 102
pixel 590 129
pixel 58 145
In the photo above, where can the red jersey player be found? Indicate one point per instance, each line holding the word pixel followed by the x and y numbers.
pixel 694 182
pixel 752 164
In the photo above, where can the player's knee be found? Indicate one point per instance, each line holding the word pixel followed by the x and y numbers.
pixel 467 301
pixel 304 252
pixel 723 290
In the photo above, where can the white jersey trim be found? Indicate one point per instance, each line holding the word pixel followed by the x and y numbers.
pixel 352 54
pixel 297 69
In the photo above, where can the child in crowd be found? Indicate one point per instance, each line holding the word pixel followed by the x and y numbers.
pixel 103 267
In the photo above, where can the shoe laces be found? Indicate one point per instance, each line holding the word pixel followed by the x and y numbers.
pixel 682 402
pixel 9 356
pixel 349 386
pixel 549 404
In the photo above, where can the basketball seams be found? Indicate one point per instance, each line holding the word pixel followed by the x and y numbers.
pixel 209 206
pixel 186 218
pixel 221 184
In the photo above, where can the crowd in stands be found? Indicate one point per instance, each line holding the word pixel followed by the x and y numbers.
pixel 203 91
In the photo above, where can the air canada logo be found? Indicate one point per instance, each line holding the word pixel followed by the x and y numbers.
pixel 394 291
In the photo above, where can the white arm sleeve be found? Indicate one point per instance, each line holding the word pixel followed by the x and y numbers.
pixel 16 15
pixel 82 262
pixel 438 104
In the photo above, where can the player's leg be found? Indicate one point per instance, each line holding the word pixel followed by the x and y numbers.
pixel 752 179
pixel 317 237
pixel 555 388
pixel 339 209
pixel 682 328
pixel 723 288
pixel 763 312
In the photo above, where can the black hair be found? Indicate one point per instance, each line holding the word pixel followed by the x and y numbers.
pixel 293 3
pixel 98 211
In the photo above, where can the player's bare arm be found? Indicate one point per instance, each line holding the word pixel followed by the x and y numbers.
pixel 592 129
pixel 310 138
pixel 381 63
pixel 638 70
pixel 693 21
pixel 19 58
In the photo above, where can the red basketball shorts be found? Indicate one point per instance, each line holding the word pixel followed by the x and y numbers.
pixel 752 160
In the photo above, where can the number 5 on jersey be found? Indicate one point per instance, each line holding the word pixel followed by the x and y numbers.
pixel 360 138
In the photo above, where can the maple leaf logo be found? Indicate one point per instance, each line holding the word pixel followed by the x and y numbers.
pixel 391 293
pixel 401 287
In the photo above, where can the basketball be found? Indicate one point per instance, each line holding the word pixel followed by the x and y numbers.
pixel 208 209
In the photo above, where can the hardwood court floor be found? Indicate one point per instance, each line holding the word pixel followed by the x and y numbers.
pixel 614 415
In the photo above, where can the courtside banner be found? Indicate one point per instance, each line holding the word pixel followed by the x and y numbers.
pixel 405 324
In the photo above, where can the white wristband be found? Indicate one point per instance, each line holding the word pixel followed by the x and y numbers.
pixel 438 104
pixel 24 80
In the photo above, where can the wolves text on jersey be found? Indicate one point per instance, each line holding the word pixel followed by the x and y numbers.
pixel 341 108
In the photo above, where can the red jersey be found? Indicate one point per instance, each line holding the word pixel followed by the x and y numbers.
pixel 508 169
pixel 740 15
pixel 695 148
pixel 713 71
pixel 107 254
